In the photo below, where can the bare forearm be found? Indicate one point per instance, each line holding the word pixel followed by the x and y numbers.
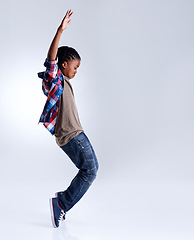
pixel 52 53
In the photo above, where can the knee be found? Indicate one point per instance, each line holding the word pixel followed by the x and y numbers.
pixel 95 167
pixel 92 170
pixel 91 178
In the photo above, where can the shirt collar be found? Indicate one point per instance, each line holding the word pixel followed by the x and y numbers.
pixel 65 77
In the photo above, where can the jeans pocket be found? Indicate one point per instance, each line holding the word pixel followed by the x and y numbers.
pixel 79 139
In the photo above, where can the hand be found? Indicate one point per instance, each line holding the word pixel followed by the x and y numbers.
pixel 66 20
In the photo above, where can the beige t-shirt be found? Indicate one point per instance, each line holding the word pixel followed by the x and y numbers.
pixel 68 124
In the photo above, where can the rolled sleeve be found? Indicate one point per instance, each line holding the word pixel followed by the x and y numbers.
pixel 51 68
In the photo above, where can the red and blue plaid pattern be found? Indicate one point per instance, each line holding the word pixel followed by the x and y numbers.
pixel 52 86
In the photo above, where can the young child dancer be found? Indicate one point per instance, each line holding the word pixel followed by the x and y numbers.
pixel 61 119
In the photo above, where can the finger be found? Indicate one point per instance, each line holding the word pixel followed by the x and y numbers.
pixel 69 21
pixel 66 15
pixel 70 14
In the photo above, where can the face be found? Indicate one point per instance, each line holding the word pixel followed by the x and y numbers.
pixel 69 69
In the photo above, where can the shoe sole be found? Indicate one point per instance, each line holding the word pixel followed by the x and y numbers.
pixel 52 212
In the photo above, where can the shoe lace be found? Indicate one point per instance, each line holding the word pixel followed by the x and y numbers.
pixel 61 215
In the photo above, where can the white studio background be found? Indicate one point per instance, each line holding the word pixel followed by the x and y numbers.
pixel 134 90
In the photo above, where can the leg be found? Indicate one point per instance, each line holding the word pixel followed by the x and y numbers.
pixel 82 154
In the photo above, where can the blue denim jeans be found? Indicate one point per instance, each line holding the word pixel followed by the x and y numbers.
pixel 81 152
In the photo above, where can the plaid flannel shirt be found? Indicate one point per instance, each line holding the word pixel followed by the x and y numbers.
pixel 52 86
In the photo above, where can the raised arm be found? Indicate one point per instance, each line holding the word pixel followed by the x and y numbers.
pixel 52 53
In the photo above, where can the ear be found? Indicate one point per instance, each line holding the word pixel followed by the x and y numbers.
pixel 64 64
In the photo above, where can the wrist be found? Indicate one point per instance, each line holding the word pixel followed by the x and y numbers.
pixel 59 29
